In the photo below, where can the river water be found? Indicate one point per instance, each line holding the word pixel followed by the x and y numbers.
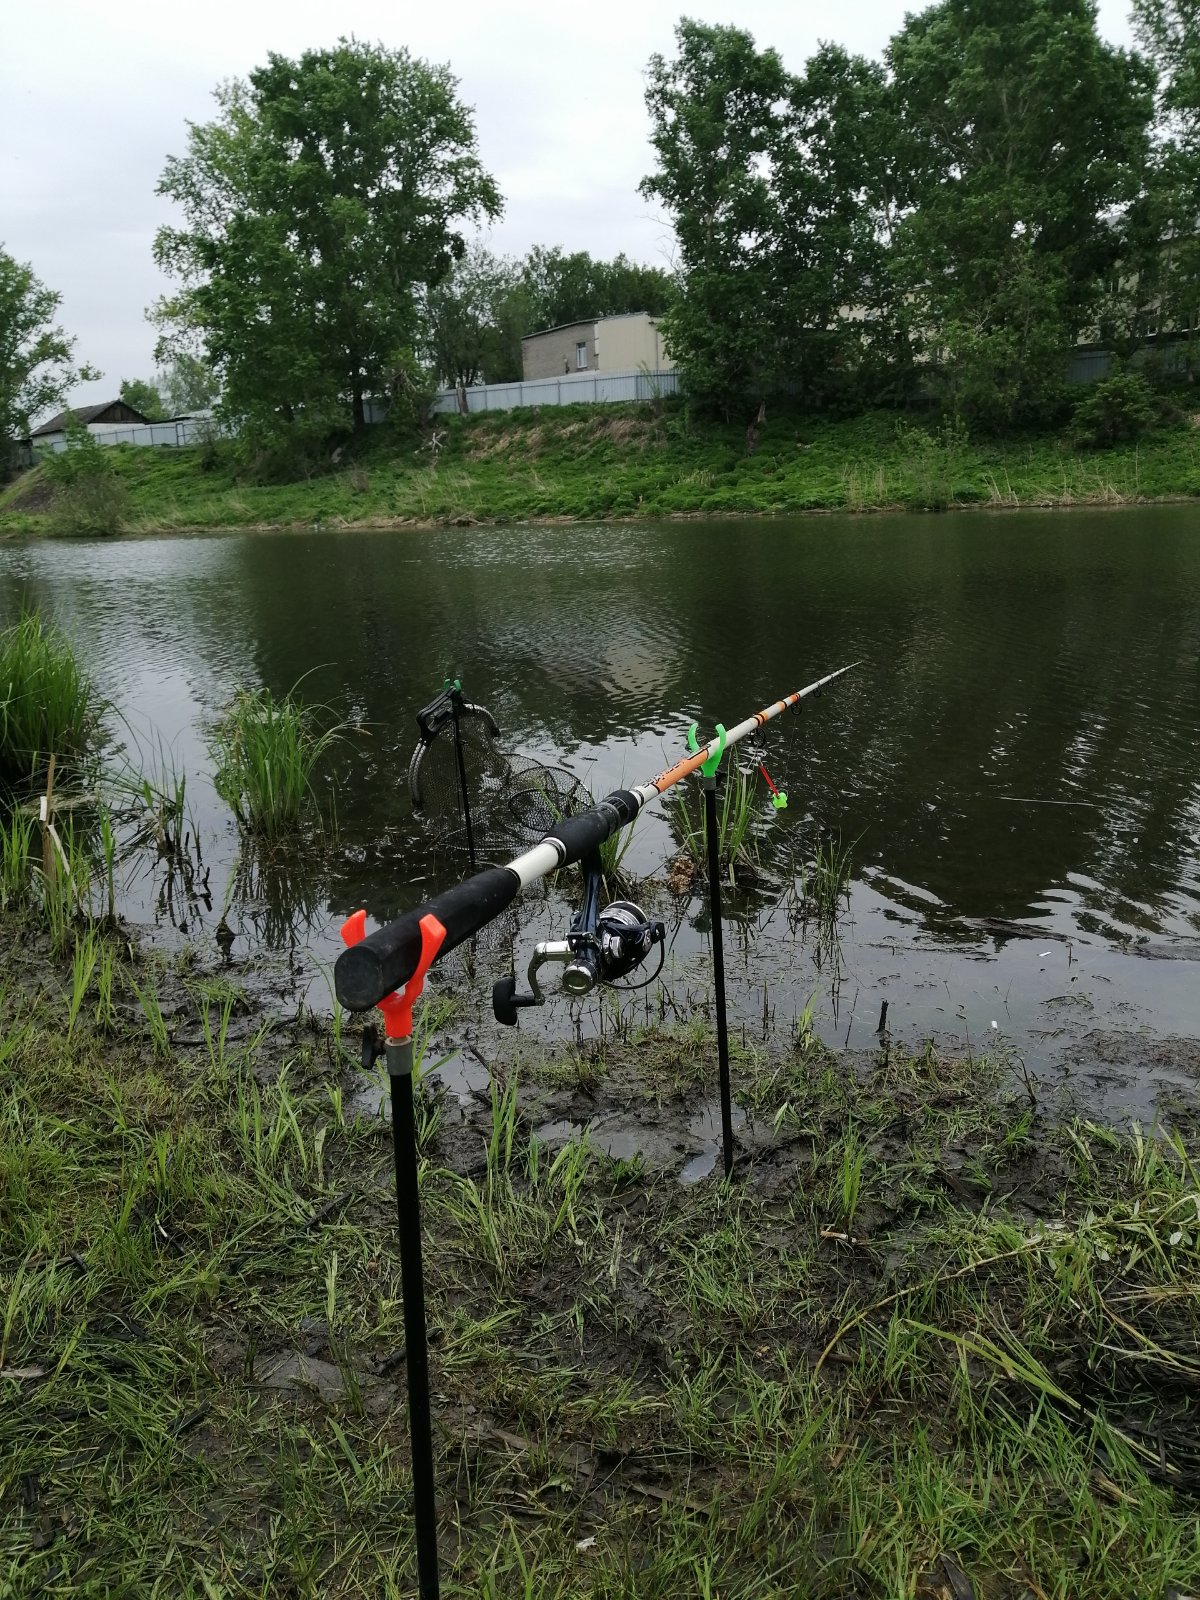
pixel 1019 745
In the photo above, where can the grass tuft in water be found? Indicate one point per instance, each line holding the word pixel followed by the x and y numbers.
pixel 266 751
pixel 48 705
pixel 737 807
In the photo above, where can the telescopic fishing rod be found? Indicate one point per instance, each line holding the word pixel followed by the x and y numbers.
pixel 387 968
pixel 381 962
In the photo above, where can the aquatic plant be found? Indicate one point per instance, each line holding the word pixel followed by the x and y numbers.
pixel 16 859
pixel 612 854
pixel 826 878
pixel 736 844
pixel 266 751
pixel 48 704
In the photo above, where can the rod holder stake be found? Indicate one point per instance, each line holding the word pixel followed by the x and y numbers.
pixel 397 1010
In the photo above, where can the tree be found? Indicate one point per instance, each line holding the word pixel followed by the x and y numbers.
pixel 188 384
pixel 576 287
pixel 714 127
pixel 35 354
pixel 1167 267
pixel 143 396
pixel 775 185
pixel 476 317
pixel 1023 136
pixel 325 197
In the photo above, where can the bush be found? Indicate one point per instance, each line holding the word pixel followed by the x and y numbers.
pixel 1120 408
pixel 89 497
pixel 48 705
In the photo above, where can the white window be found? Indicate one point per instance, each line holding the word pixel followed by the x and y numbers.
pixel 581 355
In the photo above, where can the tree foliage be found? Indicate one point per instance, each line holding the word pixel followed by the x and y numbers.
pixel 943 220
pixel 1024 134
pixel 714 130
pixel 779 188
pixel 327 195
pixel 1167 266
pixel 475 319
pixel 143 396
pixel 188 384
pixel 36 370
pixel 559 287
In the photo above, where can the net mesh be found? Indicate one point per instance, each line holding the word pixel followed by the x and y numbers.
pixel 513 800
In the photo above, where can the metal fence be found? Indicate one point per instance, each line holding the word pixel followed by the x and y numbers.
pixel 584 388
pixel 186 430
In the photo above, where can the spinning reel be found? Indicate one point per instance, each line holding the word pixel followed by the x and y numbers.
pixel 600 948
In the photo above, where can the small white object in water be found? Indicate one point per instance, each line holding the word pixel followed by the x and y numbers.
pixel 996 1025
pixel 1042 953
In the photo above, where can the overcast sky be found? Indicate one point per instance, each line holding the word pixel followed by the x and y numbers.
pixel 94 96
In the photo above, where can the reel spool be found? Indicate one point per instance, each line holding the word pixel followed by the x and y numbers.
pixel 619 941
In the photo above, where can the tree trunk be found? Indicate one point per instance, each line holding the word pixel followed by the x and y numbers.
pixel 360 418
pixel 752 432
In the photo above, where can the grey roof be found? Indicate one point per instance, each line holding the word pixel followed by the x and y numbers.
pixel 84 415
pixel 586 322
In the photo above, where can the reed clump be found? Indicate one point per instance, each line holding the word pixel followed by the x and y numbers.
pixel 48 703
pixel 265 752
pixel 737 847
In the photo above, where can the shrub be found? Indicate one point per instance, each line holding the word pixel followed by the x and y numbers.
pixel 89 497
pixel 1123 407
pixel 48 705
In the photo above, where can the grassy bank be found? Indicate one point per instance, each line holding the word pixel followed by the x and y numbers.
pixel 593 462
pixel 930 1341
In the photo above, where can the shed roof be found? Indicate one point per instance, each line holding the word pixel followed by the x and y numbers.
pixel 86 414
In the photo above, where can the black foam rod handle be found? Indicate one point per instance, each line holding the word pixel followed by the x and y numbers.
pixel 386 959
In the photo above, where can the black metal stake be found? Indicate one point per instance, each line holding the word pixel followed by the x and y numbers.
pixel 714 902
pixel 399 1053
pixel 462 783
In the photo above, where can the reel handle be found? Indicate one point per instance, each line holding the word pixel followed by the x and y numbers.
pixel 506 1002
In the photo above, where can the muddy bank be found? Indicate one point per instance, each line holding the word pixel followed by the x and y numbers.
pixel 933 1327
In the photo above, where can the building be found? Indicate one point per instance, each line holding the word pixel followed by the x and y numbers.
pixel 629 343
pixel 98 420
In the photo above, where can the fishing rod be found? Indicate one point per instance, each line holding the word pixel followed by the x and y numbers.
pixel 387 968
pixel 379 963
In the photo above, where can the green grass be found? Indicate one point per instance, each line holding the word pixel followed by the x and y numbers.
pixel 834 1376
pixel 48 705
pixel 266 751
pixel 585 462
pixel 737 811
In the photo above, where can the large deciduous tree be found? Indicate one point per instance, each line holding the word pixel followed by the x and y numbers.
pixel 777 188
pixel 36 368
pixel 1022 136
pixel 145 397
pixel 328 194
pixel 715 126
pixel 188 384
pixel 1168 265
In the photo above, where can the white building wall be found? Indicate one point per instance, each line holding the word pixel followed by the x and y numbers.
pixel 629 343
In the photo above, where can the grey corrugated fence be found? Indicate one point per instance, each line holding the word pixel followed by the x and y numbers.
pixel 583 388
pixel 186 430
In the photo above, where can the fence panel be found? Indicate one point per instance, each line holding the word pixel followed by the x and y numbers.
pixel 584 388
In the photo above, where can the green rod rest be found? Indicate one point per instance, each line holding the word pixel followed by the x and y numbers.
pixel 708 768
